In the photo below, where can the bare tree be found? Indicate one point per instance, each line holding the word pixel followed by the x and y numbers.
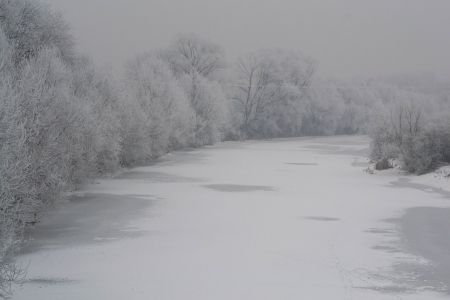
pixel 190 54
pixel 322 107
pixel 197 63
pixel 267 79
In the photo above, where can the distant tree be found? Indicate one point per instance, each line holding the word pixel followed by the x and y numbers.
pixel 210 108
pixel 100 95
pixel 164 111
pixel 198 64
pixel 266 80
pixel 189 54
pixel 322 109
pixel 358 101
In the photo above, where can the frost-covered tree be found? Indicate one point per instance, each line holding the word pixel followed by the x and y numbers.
pixel 410 122
pixel 398 131
pixel 10 230
pixel 30 26
pixel 322 108
pixel 266 81
pixel 198 64
pixel 209 104
pixel 58 128
pixel 99 91
pixel 190 54
pixel 432 149
pixel 162 109
pixel 358 101
pixel 43 123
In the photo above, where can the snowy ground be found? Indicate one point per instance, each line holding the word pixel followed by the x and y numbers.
pixel 282 219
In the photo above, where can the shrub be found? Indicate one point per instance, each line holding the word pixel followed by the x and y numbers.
pixel 383 164
pixel 432 149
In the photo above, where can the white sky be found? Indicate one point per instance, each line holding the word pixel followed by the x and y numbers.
pixel 347 37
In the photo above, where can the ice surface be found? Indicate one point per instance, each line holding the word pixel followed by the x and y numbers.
pixel 223 222
pixel 237 188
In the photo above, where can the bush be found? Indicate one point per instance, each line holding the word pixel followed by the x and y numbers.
pixel 432 149
pixel 399 132
pixel 383 164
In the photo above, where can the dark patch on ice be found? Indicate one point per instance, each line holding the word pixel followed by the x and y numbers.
pixel 185 156
pixel 391 220
pixel 386 249
pixel 302 164
pixel 276 150
pixel 346 142
pixel 410 278
pixel 288 139
pixel 144 196
pixel 424 233
pixel 346 145
pixel 327 148
pixel 322 219
pixel 390 289
pixel 333 149
pixel 427 229
pixel 90 219
pixel 233 188
pixel 357 152
pixel 378 230
pixel 50 281
pixel 154 177
pixel 405 182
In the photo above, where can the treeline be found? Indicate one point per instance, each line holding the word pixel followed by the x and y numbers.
pixel 64 121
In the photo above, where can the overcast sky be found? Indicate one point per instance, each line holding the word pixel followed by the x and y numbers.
pixel 347 37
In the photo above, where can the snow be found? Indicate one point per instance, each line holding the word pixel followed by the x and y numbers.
pixel 439 178
pixel 279 219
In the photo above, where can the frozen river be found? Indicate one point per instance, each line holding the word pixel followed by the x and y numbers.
pixel 282 219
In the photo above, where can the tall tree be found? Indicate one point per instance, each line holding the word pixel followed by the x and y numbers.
pixel 190 54
pixel 198 64
pixel 10 230
pixel 268 80
pixel 168 117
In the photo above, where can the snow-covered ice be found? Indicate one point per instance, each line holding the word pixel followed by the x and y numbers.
pixel 280 219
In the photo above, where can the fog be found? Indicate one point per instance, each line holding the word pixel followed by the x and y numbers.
pixel 348 38
pixel 260 79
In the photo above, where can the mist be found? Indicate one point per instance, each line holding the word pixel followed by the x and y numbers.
pixel 349 38
pixel 325 92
